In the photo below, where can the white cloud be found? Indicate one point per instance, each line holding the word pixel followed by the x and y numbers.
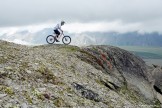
pixel 116 26
pixel 77 27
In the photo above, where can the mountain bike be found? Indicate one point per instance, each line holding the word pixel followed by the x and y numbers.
pixel 65 39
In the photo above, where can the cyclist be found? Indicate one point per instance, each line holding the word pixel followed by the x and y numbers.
pixel 57 30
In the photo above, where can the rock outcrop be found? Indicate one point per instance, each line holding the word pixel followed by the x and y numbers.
pixel 157 76
pixel 69 76
pixel 130 71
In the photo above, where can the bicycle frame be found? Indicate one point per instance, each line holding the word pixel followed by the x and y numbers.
pixel 61 34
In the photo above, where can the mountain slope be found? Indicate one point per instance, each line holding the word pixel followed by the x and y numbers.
pixel 68 76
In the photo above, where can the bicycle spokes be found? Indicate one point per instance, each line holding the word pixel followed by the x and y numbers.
pixel 66 40
pixel 50 39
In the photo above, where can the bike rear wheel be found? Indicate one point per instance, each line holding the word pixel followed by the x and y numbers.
pixel 50 39
pixel 66 40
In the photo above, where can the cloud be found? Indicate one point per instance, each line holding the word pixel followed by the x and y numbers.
pixel 116 26
pixel 29 12
pixel 77 27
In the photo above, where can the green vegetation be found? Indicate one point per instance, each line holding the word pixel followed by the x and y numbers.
pixel 38 94
pixel 24 65
pixel 59 102
pixel 3 60
pixel 27 96
pixel 157 104
pixel 48 76
pixel 7 90
pixel 6 58
pixel 131 95
pixel 69 49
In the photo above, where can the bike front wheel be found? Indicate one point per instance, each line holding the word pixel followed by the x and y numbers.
pixel 50 39
pixel 66 40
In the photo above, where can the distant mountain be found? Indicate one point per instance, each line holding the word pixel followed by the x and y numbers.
pixel 91 38
pixel 128 39
pixel 28 37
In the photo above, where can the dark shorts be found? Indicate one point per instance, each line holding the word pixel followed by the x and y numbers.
pixel 57 32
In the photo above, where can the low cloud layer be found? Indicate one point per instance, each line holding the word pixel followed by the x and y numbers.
pixel 115 26
pixel 78 27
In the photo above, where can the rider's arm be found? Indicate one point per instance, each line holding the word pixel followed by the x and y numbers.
pixel 60 28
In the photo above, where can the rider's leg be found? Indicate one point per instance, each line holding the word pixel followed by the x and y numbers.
pixel 57 35
pixel 57 32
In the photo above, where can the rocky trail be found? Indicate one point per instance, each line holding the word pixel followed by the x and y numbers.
pixel 50 76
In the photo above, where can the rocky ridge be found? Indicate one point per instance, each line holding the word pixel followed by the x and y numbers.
pixel 68 76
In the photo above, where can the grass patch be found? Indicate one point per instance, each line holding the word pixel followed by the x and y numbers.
pixel 157 104
pixel 59 102
pixel 24 65
pixel 70 49
pixel 7 90
pixel 27 96
pixel 48 75
pixel 130 95
pixel 3 60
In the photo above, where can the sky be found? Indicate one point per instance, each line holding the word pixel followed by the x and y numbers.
pixel 81 15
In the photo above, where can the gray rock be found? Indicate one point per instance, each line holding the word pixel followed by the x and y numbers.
pixel 24 105
pixel 157 75
pixel 129 69
pixel 88 94
pixel 2 95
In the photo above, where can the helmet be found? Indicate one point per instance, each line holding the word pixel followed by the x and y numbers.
pixel 63 22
